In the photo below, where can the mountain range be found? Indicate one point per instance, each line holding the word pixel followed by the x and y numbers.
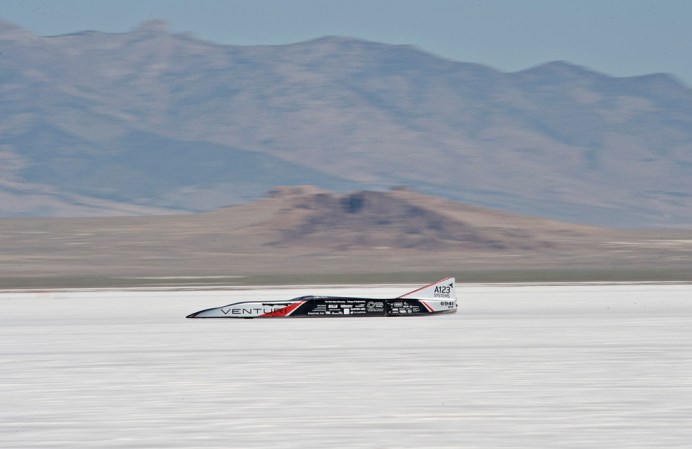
pixel 153 122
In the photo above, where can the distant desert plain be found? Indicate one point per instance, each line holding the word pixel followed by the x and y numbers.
pixel 301 234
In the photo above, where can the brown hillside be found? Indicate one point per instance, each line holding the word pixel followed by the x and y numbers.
pixel 304 230
pixel 402 219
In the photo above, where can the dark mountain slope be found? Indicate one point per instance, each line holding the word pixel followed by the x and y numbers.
pixel 91 114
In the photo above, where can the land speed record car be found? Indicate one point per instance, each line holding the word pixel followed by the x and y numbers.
pixel 436 298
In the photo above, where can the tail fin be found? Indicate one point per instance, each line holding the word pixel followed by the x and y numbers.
pixel 442 289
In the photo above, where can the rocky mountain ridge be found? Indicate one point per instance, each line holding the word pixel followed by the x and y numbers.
pixel 150 122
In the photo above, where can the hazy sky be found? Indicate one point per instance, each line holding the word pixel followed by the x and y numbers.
pixel 626 37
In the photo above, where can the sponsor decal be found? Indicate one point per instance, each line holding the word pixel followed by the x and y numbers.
pixel 251 311
pixel 375 306
pixel 443 291
pixel 254 310
pixel 405 307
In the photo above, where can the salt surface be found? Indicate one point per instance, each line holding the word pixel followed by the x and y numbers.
pixel 517 367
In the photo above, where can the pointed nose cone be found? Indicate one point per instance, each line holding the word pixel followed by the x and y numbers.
pixel 216 312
